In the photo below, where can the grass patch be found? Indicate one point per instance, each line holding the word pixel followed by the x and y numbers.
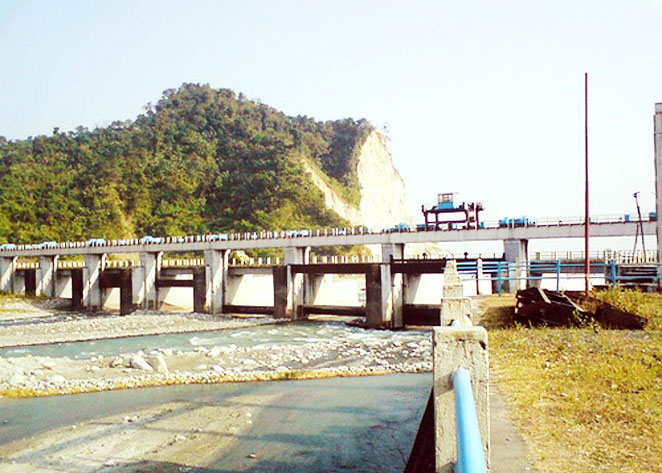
pixel 646 305
pixel 586 399
pixel 9 297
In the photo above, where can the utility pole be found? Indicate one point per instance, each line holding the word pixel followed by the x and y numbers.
pixel 587 259
pixel 640 228
pixel 657 139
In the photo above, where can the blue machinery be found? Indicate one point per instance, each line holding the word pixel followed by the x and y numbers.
pixel 470 456
pixel 447 214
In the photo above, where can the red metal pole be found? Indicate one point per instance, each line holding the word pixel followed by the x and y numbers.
pixel 587 260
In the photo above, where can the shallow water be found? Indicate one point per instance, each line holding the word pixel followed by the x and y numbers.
pixel 296 333
pixel 340 424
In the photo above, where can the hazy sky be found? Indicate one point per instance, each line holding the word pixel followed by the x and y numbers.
pixel 484 98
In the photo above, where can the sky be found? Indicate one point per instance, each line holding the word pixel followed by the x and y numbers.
pixel 483 98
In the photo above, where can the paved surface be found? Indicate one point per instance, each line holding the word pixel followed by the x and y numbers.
pixel 509 452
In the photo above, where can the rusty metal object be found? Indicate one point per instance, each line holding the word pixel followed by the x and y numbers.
pixel 537 306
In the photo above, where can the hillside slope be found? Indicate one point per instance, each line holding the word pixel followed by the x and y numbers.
pixel 200 160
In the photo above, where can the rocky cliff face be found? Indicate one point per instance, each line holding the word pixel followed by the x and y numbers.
pixel 383 203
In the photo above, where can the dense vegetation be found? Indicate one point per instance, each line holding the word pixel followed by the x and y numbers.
pixel 200 160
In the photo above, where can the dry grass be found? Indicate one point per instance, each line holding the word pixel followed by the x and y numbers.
pixel 646 305
pixel 586 400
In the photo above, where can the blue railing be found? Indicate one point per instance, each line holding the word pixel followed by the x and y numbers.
pixel 470 455
pixel 557 271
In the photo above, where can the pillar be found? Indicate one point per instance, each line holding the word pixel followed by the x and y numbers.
pixel 289 287
pixel 126 291
pixel 658 186
pixel 92 297
pixel 216 276
pixel 151 263
pixel 200 287
pixel 411 283
pixel 516 253
pixel 77 289
pixel 7 270
pixel 46 276
pixel 138 283
pixel 454 348
pixel 392 285
pixel 481 287
pixel 374 311
pixel 313 282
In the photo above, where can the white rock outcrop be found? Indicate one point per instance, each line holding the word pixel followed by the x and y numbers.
pixel 383 203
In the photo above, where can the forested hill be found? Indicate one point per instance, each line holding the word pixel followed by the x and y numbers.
pixel 201 159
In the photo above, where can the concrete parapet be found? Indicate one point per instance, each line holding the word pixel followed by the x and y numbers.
pixel 454 306
pixel 456 309
pixel 454 348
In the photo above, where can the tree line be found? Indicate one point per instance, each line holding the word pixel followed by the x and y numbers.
pixel 200 160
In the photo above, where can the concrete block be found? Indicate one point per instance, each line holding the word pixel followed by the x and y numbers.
pixel 456 308
pixel 453 290
pixel 451 276
pixel 458 347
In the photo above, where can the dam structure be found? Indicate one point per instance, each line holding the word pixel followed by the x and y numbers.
pixel 390 283
pixel 296 281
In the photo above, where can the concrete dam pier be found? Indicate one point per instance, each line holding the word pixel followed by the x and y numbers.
pixel 385 293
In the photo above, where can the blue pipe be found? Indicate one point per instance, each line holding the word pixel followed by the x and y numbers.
pixel 470 456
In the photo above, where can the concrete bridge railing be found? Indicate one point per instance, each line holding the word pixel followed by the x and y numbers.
pixel 461 385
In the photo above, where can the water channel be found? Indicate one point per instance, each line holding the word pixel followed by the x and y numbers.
pixel 297 333
pixel 326 425
pixel 341 424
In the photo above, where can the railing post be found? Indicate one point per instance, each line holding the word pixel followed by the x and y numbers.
pixel 456 348
pixel 612 267
pixel 499 281
pixel 558 275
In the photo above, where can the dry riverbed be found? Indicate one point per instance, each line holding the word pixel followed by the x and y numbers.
pixel 24 322
pixel 339 351
pixel 177 435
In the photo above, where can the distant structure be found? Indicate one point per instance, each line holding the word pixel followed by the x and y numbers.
pixel 447 215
